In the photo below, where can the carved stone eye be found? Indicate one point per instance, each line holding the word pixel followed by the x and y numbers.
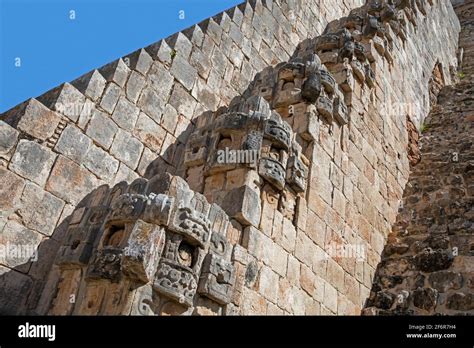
pixel 185 254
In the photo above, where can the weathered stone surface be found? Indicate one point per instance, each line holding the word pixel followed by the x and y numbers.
pixel 125 174
pixel 244 205
pixel 161 80
pixel 32 161
pixel 134 87
pixel 101 129
pixel 151 103
pixel 8 139
pixel 139 60
pixel 267 284
pixel 183 72
pixel 169 119
pixel 127 149
pixel 184 103
pixel 433 260
pixel 101 163
pixel 91 84
pixel 427 233
pixel 149 133
pixel 73 144
pixel 117 71
pixel 461 301
pixel 425 298
pixel 20 244
pixel 125 114
pixel 65 99
pixel 69 181
pixel 33 118
pixel 445 280
pixel 110 97
pixel 11 187
pixel 39 209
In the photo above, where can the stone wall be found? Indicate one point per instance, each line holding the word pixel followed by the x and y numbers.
pixel 110 124
pixel 427 265
pixel 323 253
pixel 312 236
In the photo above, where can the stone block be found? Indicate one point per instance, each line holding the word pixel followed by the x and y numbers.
pixel 195 35
pixel 161 80
pixel 101 163
pixel 315 228
pixel 243 204
pixel 70 182
pixel 116 71
pixel 460 301
pixel 134 86
pixel 240 254
pixel 445 280
pixel 182 101
pixel 127 149
pixel 32 161
pixel 169 118
pixel 335 275
pixel 330 297
pixel 101 129
pixel 146 160
pixel 125 114
pixel 8 139
pixel 253 303
pixel 201 62
pixel 20 244
pixel 33 118
pixel 205 95
pixel 91 84
pixel 65 99
pixel 160 50
pixel 40 210
pixel 11 187
pixel 267 284
pixel 73 143
pixel 150 133
pixel 139 60
pixel 86 114
pixel 293 271
pixel 181 45
pixel 303 248
pixel 183 72
pixel 125 174
pixel 151 104
pixel 110 97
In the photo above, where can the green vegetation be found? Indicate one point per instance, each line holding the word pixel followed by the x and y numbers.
pixel 173 54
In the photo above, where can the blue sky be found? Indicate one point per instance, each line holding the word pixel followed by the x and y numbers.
pixel 53 48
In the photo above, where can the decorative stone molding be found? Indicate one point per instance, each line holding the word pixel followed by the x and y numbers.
pixel 155 233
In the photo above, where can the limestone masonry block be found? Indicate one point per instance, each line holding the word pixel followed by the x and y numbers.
pixel 101 129
pixel 91 84
pixel 33 118
pixel 127 149
pixel 65 99
pixel 8 139
pixel 73 144
pixel 69 181
pixel 32 161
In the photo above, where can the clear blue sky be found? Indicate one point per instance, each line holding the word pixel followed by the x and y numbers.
pixel 54 48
